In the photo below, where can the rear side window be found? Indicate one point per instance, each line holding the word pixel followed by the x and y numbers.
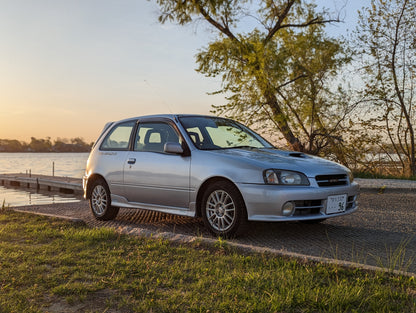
pixel 119 137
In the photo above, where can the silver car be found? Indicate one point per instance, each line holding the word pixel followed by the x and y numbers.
pixel 214 168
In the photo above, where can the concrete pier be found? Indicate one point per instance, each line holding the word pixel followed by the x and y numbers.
pixel 65 185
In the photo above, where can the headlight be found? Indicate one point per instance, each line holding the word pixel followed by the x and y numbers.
pixel 283 177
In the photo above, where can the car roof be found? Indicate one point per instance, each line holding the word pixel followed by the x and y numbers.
pixel 166 116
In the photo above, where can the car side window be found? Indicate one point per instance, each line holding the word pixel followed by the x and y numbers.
pixel 196 136
pixel 151 137
pixel 119 137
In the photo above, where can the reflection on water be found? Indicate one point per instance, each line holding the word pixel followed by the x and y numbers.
pixel 21 197
pixel 59 164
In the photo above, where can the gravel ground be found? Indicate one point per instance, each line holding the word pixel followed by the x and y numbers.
pixel 381 233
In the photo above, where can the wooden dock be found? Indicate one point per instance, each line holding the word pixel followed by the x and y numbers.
pixel 65 185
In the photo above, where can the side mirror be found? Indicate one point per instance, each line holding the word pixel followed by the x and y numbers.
pixel 173 147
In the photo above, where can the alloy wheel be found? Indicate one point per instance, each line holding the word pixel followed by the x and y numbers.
pixel 220 210
pixel 99 200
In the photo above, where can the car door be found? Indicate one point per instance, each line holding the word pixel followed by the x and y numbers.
pixel 113 153
pixel 152 176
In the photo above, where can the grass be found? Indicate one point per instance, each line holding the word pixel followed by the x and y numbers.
pixel 4 207
pixel 396 258
pixel 54 266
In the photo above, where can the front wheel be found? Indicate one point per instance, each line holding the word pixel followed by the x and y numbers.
pixel 223 209
pixel 100 202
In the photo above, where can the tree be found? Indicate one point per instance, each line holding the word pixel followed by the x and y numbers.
pixel 62 145
pixel 7 145
pixel 276 74
pixel 387 40
pixel 45 145
pixel 79 145
pixel 316 112
pixel 40 145
pixel 71 145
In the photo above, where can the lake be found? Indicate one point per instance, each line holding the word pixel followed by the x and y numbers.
pixel 21 197
pixel 62 164
pixel 65 164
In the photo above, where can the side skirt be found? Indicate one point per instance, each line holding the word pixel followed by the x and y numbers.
pixel 122 202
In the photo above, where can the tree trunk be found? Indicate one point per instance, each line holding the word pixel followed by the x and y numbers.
pixel 282 123
pixel 405 112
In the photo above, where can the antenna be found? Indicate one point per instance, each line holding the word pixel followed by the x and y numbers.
pixel 155 91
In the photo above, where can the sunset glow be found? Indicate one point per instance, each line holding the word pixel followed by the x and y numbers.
pixel 68 67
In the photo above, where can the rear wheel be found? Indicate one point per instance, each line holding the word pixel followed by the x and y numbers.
pixel 223 209
pixel 100 201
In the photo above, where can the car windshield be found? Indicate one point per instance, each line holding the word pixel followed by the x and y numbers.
pixel 213 133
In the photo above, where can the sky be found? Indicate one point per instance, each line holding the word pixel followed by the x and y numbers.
pixel 67 67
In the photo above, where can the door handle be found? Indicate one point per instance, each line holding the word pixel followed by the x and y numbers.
pixel 131 161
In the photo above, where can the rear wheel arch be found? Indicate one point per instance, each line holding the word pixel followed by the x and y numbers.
pixel 100 200
pixel 90 183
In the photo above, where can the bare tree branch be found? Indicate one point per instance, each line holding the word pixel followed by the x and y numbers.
pixel 222 28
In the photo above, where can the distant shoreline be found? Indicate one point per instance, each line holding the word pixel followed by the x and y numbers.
pixel 45 145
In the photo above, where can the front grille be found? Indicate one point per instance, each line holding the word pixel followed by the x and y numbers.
pixel 331 180
pixel 307 207
pixel 351 202
pixel 316 207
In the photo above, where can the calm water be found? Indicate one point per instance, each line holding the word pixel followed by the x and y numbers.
pixel 64 164
pixel 18 197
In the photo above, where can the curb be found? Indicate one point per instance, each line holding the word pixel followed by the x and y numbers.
pixel 384 189
pixel 382 185
pixel 61 217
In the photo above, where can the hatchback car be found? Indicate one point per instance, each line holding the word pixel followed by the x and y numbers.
pixel 214 168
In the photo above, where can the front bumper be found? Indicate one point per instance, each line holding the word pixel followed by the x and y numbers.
pixel 265 202
pixel 84 185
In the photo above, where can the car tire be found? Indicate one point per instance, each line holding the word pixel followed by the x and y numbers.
pixel 100 201
pixel 223 210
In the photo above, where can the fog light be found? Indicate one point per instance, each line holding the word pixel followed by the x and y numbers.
pixel 288 208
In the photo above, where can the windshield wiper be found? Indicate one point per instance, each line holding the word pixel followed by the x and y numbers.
pixel 210 148
pixel 243 147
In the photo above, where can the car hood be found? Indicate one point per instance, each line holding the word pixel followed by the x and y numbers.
pixel 287 160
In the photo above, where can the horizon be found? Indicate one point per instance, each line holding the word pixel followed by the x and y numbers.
pixel 56 139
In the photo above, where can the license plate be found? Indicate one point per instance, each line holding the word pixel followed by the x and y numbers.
pixel 336 204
